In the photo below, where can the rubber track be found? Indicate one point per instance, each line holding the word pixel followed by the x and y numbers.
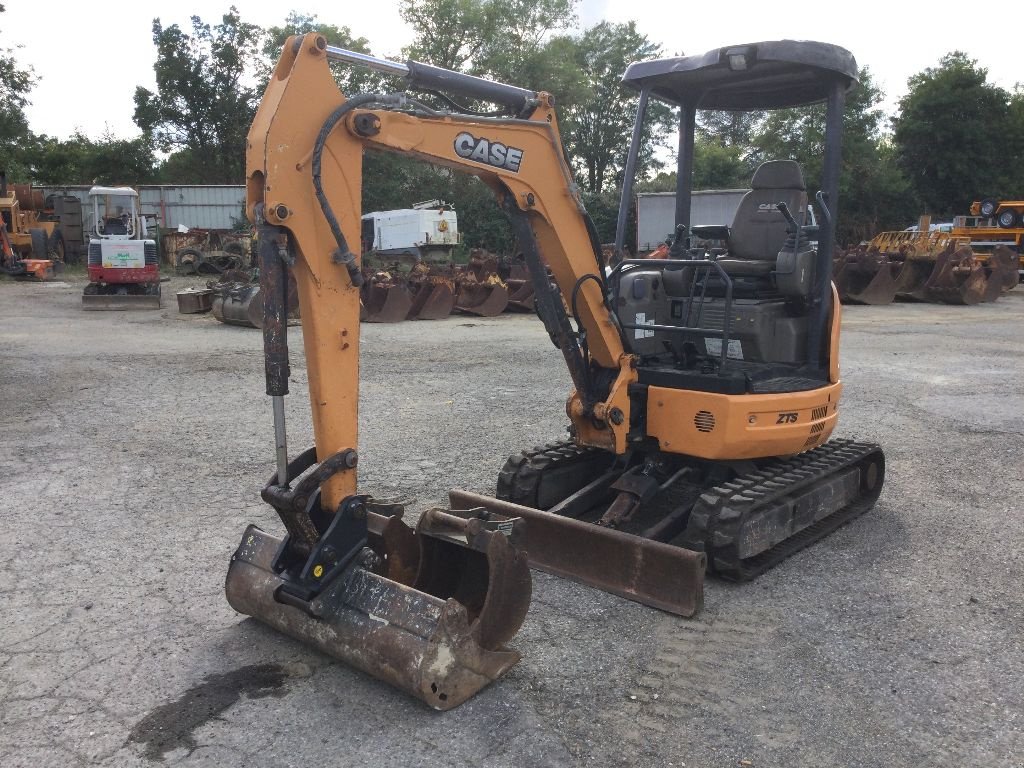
pixel 720 513
pixel 519 480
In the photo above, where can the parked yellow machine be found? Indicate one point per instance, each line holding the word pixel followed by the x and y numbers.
pixel 29 246
pixel 705 390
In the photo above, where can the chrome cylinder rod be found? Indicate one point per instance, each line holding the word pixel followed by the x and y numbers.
pixel 386 66
pixel 280 441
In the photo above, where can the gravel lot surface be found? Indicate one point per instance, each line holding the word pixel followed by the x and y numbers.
pixel 133 446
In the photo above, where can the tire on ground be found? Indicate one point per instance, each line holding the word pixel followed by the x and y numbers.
pixel 39 244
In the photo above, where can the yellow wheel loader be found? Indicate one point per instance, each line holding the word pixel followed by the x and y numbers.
pixel 705 387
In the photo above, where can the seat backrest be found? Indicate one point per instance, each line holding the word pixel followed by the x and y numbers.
pixel 758 229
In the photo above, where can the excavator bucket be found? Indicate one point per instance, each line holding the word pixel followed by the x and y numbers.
pixel 865 277
pixel 958 277
pixel 433 299
pixel 520 289
pixel 239 304
pixel 912 275
pixel 385 299
pixel 481 291
pixel 650 572
pixel 1003 264
pixel 429 612
pixel 484 300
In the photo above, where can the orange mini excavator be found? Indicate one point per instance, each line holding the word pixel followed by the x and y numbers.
pixel 706 386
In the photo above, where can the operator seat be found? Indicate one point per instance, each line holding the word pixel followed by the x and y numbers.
pixel 758 230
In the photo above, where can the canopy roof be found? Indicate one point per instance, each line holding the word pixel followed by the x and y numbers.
pixel 766 75
pixel 113 191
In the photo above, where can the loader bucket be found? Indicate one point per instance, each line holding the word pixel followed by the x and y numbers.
pixel 385 301
pixel 427 612
pixel 432 300
pixel 866 278
pixel 483 299
pixel 650 572
pixel 958 278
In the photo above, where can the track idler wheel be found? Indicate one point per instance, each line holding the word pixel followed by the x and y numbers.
pixel 428 612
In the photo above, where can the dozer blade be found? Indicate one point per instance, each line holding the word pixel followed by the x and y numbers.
pixel 483 299
pixel 433 301
pixel 385 303
pixel 428 612
pixel 100 301
pixel 650 572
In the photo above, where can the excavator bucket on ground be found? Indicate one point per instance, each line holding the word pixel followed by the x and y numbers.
pixel 520 288
pixel 433 294
pixel 864 276
pixel 385 299
pixel 957 278
pixel 481 291
pixel 1003 267
pixel 486 299
pixel 428 611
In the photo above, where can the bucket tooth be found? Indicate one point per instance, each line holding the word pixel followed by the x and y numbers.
pixel 427 612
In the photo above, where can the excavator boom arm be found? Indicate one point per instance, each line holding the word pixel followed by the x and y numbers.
pixel 304 174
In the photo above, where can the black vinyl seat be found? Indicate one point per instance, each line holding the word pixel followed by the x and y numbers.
pixel 758 230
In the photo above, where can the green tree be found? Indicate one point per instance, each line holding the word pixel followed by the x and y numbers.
pixel 955 137
pixel 597 128
pixel 16 83
pixel 873 194
pixel 729 129
pixel 203 103
pixel 350 79
pixel 81 160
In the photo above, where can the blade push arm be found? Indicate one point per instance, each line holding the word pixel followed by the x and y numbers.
pixel 520 159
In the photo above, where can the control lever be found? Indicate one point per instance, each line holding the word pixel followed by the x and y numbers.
pixel 678 249
pixel 784 210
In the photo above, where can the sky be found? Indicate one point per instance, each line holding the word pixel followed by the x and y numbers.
pixel 89 61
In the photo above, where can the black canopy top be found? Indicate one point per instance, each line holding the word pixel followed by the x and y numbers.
pixel 767 75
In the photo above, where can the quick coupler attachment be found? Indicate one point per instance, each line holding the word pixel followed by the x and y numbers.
pixel 428 610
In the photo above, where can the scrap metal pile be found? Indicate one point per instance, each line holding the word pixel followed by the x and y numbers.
pixel 923 266
pixel 395 290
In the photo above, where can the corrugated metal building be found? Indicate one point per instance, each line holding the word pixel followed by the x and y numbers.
pixel 656 213
pixel 196 207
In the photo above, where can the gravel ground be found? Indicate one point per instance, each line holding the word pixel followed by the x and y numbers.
pixel 134 444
